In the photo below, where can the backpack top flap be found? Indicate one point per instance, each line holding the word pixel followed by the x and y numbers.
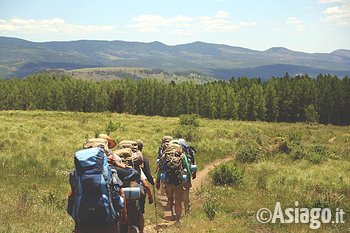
pixel 123 153
pixel 89 157
pixel 171 161
pixel 96 142
pixel 174 148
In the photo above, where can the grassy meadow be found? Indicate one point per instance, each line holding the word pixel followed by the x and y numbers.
pixel 279 162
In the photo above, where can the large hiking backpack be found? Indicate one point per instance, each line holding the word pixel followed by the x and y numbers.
pixel 91 182
pixel 171 164
pixel 189 151
pixel 129 158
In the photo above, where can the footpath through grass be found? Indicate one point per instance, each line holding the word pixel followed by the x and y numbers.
pixel 36 149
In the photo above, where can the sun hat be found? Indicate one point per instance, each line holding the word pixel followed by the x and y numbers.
pixel 111 142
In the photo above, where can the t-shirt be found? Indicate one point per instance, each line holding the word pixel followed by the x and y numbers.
pixel 143 176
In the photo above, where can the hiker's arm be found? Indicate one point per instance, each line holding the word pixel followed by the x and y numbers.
pixel 113 160
pixel 159 154
pixel 148 191
pixel 147 170
pixel 123 214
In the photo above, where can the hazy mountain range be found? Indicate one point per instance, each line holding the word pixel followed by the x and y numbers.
pixel 20 58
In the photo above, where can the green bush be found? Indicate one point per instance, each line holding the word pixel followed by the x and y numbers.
pixel 227 174
pixel 247 152
pixel 297 153
pixel 294 138
pixel 188 132
pixel 191 119
pixel 209 208
pixel 112 126
pixel 320 149
pixel 314 158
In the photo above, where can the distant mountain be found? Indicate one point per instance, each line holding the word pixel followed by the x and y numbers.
pixel 20 58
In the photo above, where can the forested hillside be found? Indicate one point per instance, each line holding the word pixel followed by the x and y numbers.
pixel 19 58
pixel 325 99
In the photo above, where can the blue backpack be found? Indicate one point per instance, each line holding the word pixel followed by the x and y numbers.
pixel 91 182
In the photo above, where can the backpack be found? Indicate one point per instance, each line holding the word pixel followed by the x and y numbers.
pixel 96 142
pixel 129 174
pixel 189 151
pixel 171 164
pixel 91 202
pixel 129 158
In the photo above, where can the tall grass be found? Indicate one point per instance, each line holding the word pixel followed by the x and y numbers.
pixel 36 149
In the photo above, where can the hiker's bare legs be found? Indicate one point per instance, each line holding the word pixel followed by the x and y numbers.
pixel 170 195
pixel 186 197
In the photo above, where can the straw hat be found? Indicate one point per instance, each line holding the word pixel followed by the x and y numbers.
pixel 111 142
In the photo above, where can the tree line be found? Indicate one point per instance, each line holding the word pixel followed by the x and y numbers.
pixel 325 99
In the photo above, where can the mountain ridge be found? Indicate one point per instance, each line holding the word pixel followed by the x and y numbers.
pixel 20 57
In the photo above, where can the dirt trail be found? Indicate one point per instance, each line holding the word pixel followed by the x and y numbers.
pixel 201 179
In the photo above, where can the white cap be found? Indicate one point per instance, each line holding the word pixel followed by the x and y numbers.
pixel 182 140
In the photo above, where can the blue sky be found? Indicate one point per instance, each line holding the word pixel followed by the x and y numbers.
pixel 302 25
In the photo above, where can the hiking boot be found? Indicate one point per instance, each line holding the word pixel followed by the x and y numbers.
pixel 177 221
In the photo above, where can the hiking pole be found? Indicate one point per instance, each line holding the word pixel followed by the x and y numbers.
pixel 155 204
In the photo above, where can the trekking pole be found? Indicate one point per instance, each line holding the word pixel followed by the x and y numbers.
pixel 155 204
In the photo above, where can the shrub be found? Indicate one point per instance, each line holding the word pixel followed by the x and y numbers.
pixel 111 127
pixel 319 149
pixel 314 158
pixel 317 154
pixel 209 208
pixel 247 152
pixel 188 132
pixel 191 119
pixel 297 153
pixel 280 145
pixel 227 174
pixel 294 138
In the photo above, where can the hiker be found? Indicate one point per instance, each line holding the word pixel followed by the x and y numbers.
pixel 146 167
pixel 147 172
pixel 171 172
pixel 112 158
pixel 137 162
pixel 190 153
pixel 91 181
pixel 164 143
pixel 130 177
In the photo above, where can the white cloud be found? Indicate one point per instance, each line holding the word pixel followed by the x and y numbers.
pixel 221 21
pixel 338 13
pixel 181 26
pixel 154 23
pixel 55 25
pixel 222 14
pixel 330 1
pixel 294 21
